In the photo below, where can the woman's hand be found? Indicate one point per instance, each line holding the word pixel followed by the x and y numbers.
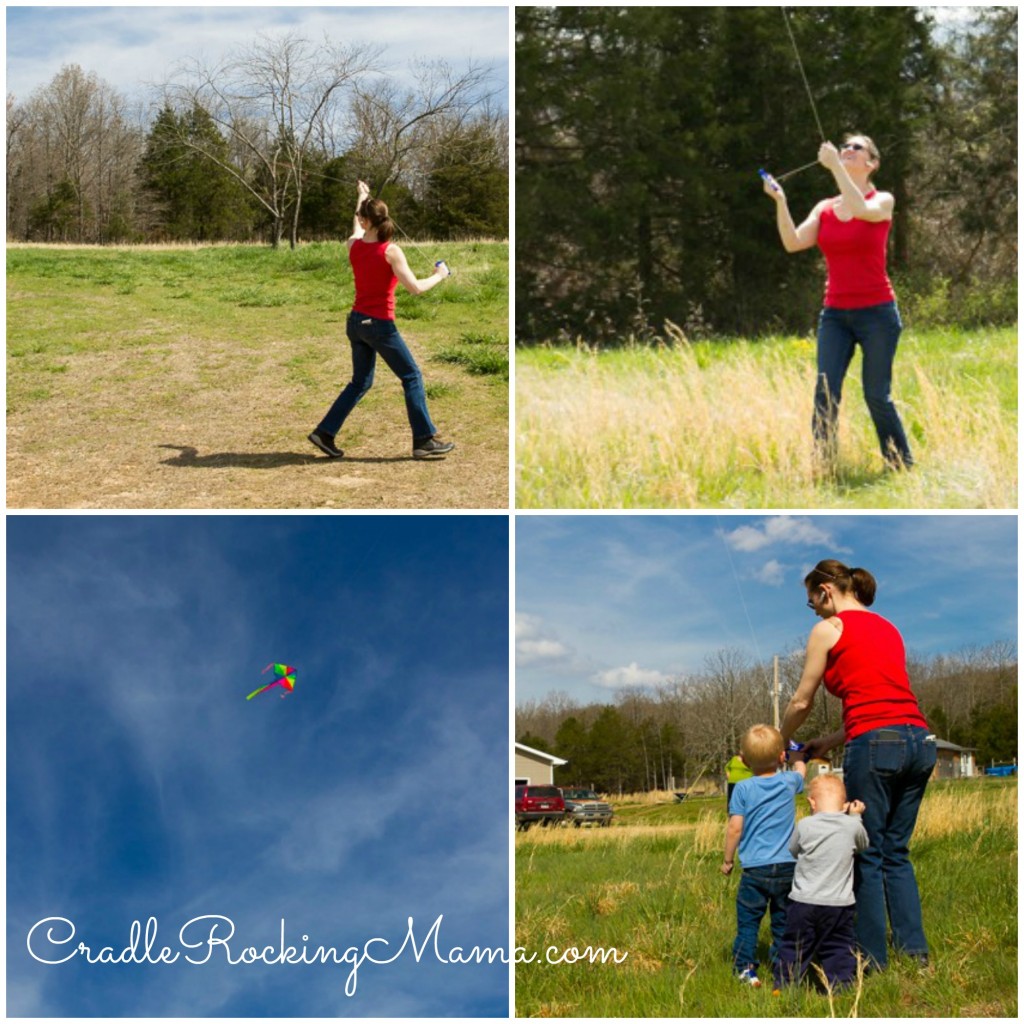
pixel 362 191
pixel 815 748
pixel 828 157
pixel 774 189
pixel 443 269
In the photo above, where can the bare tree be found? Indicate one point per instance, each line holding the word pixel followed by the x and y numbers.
pixel 275 102
pixel 71 156
pixel 398 131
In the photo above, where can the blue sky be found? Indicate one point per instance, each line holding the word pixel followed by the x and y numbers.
pixel 604 602
pixel 129 46
pixel 140 782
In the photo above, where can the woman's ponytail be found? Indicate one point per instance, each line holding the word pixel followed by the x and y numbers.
pixel 863 586
pixel 376 212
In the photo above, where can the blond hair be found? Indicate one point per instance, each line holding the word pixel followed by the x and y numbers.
pixel 830 784
pixel 761 746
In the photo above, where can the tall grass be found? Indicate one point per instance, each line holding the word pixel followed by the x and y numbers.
pixel 655 892
pixel 727 425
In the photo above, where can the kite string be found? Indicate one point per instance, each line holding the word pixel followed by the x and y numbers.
pixel 803 75
pixel 739 590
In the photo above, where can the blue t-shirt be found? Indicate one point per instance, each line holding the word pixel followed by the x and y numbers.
pixel 769 816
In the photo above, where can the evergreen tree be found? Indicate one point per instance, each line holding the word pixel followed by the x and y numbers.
pixel 193 199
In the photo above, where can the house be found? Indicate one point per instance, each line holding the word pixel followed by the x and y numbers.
pixel 534 767
pixel 953 762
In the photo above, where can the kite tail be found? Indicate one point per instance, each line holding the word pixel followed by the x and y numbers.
pixel 259 691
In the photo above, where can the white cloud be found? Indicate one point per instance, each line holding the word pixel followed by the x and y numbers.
pixel 629 675
pixel 534 644
pixel 772 573
pixel 132 46
pixel 779 530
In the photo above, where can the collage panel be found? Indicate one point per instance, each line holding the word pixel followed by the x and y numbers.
pixel 258 257
pixel 765 766
pixel 766 257
pixel 256 766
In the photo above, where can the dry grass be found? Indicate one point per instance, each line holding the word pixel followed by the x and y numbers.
pixel 951 812
pixel 728 425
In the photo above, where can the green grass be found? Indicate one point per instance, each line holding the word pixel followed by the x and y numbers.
pixel 651 887
pixel 726 424
pixel 232 354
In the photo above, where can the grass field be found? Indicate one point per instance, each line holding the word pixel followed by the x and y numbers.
pixel 726 424
pixel 651 887
pixel 190 377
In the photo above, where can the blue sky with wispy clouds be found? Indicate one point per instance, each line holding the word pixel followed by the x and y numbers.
pixel 140 782
pixel 134 47
pixel 604 602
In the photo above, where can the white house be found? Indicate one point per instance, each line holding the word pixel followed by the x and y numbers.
pixel 534 767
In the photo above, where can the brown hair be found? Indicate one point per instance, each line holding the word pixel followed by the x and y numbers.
pixel 859 582
pixel 761 746
pixel 376 212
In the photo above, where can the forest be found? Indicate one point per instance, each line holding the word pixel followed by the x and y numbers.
pixel 639 133
pixel 265 145
pixel 687 729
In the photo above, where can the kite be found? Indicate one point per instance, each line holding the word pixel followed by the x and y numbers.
pixel 285 677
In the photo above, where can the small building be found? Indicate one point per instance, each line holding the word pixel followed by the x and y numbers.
pixel 953 762
pixel 534 767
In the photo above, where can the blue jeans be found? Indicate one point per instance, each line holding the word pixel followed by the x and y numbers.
pixel 877 330
pixel 761 888
pixel 369 338
pixel 888 770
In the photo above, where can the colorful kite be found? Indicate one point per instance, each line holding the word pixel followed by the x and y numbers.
pixel 285 677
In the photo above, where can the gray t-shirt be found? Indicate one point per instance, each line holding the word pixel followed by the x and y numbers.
pixel 824 845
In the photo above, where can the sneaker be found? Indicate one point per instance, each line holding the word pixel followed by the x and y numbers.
pixel 325 442
pixel 748 976
pixel 429 447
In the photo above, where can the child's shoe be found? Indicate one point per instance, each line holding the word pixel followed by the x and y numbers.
pixel 748 976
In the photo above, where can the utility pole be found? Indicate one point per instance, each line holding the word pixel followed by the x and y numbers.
pixel 775 690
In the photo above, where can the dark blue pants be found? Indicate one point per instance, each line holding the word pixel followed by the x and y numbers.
pixel 762 888
pixel 877 330
pixel 888 770
pixel 370 337
pixel 817 933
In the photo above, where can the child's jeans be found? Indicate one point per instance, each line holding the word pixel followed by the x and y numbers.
pixel 762 888
pixel 817 933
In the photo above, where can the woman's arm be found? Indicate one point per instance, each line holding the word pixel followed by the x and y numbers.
pixel 794 239
pixel 823 744
pixel 878 207
pixel 822 639
pixel 362 193
pixel 400 265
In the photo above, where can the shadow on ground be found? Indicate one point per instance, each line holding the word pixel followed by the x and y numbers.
pixel 189 458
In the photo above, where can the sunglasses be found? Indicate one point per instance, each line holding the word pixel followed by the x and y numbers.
pixel 853 145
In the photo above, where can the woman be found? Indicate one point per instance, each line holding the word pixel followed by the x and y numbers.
pixel 889 753
pixel 852 229
pixel 378 265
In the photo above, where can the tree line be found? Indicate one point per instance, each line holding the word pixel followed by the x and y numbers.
pixel 266 144
pixel 686 730
pixel 639 133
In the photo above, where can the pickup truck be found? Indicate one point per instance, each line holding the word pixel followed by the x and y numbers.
pixel 585 807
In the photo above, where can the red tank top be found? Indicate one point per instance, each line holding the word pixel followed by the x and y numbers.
pixel 375 280
pixel 867 671
pixel 855 255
